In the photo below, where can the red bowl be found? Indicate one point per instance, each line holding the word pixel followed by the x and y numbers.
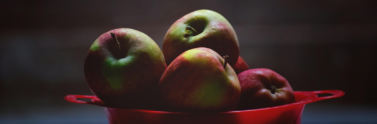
pixel 284 114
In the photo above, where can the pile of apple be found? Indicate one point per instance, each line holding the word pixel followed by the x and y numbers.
pixel 198 70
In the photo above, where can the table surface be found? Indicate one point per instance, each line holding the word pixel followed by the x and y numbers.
pixel 88 114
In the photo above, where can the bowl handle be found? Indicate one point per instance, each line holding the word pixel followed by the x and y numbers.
pixel 95 99
pixel 334 94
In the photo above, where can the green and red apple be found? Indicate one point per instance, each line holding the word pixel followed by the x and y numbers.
pixel 201 28
pixel 262 87
pixel 123 68
pixel 200 80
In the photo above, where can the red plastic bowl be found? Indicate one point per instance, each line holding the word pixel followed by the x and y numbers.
pixel 284 114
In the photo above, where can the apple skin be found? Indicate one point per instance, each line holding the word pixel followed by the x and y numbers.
pixel 124 75
pixel 196 81
pixel 257 91
pixel 212 31
pixel 240 66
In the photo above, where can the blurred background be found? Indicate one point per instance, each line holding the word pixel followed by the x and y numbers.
pixel 315 45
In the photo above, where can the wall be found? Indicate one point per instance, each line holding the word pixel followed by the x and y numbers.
pixel 316 45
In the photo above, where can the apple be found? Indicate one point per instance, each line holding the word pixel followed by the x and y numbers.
pixel 240 66
pixel 262 87
pixel 200 80
pixel 201 28
pixel 123 67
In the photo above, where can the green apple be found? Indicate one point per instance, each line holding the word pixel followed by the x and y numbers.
pixel 200 80
pixel 201 28
pixel 123 68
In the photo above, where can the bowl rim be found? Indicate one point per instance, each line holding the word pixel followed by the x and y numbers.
pixel 309 97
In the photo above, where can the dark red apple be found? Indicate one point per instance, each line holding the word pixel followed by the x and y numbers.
pixel 262 87
pixel 240 66
pixel 198 81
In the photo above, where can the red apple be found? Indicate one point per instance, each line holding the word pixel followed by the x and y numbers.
pixel 263 87
pixel 198 81
pixel 201 28
pixel 240 66
pixel 123 68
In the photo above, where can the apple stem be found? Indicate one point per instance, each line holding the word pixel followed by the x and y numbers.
pixel 193 31
pixel 115 38
pixel 225 60
pixel 273 89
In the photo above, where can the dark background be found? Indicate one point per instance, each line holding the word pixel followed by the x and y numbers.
pixel 316 45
